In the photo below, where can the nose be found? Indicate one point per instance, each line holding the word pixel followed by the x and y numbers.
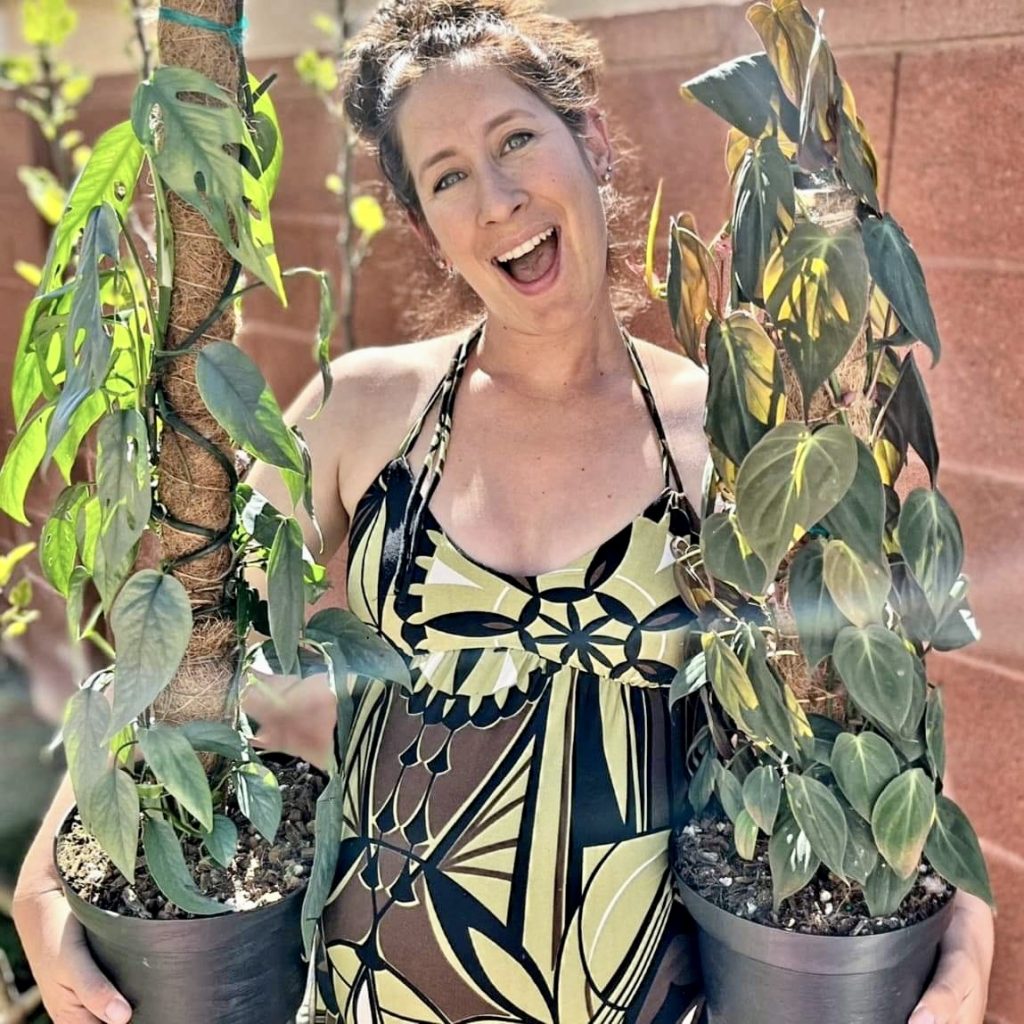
pixel 500 195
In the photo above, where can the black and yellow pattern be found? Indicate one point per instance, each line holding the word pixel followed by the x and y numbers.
pixel 505 854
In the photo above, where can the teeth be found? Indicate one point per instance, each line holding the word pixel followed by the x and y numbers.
pixel 526 247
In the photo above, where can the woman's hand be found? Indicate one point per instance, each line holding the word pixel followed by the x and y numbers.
pixel 74 990
pixel 296 716
pixel 959 991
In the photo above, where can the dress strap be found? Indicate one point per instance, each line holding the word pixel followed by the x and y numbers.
pixel 433 464
pixel 668 465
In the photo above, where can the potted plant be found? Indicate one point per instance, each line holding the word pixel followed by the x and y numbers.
pixel 190 857
pixel 822 856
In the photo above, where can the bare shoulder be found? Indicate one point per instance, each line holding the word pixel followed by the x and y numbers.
pixel 680 393
pixel 376 395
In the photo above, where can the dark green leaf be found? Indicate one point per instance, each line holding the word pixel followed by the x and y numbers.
pixel 902 818
pixel 762 791
pixel 729 791
pixel 818 620
pixel 897 271
pixel 329 815
pixel 259 798
pixel 934 731
pixel 861 855
pixel 791 860
pixel 241 401
pixel 152 621
pixel 932 543
pixel 745 835
pixel 884 889
pixel 175 764
pixel 284 593
pixel 859 518
pixel 820 816
pixel 355 647
pixel 953 850
pixel 859 588
pixel 878 672
pixel 216 737
pixel 110 811
pixel 863 764
pixel 166 863
pixel 728 556
pixel 222 840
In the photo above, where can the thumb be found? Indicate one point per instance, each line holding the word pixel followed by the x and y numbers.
pixel 92 986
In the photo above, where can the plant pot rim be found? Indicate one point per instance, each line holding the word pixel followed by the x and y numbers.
pixel 91 910
pixel 808 953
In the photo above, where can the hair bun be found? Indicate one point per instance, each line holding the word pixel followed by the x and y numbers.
pixel 409 18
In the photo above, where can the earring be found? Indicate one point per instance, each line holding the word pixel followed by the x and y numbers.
pixel 444 265
pixel 607 176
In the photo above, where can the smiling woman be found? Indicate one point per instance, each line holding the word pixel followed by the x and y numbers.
pixel 505 854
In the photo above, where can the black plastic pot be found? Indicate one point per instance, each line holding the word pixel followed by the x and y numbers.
pixel 754 972
pixel 243 967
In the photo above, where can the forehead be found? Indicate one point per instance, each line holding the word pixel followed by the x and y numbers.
pixel 450 102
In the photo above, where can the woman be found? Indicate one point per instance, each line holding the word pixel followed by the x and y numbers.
pixel 508 493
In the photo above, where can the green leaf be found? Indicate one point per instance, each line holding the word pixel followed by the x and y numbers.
pixel 729 791
pixel 762 791
pixel 24 453
pixel 859 588
pixel 122 486
pixel 745 835
pixel 930 538
pixel 690 677
pixel 746 93
pixel 267 131
pixel 934 731
pixel 152 622
pixel 175 764
pixel 818 619
pixel 58 546
pixel 329 817
pixel 859 518
pixel 110 177
pixel 215 737
pixel 86 720
pixel 863 765
pixel 87 364
pixel 241 401
pixel 791 860
pixel 884 889
pixel 728 555
pixel 110 811
pixel 191 143
pixel 878 672
pixel 763 210
pixel 902 818
pixel 222 840
pixel 744 380
pixel 861 855
pixel 284 593
pixel 702 783
pixel 789 481
pixel 853 163
pixel 957 628
pixel 897 271
pixel 952 848
pixel 816 292
pixel 356 647
pixel 820 816
pixel 166 863
pixel 259 798
pixel 911 412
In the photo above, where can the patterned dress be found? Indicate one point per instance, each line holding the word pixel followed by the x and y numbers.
pixel 505 854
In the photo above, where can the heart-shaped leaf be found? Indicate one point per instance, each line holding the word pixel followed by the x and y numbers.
pixel 863 764
pixel 901 819
pixel 952 848
pixel 820 816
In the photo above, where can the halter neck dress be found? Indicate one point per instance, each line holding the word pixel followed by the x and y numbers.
pixel 505 848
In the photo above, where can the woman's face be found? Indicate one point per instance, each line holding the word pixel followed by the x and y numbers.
pixel 510 169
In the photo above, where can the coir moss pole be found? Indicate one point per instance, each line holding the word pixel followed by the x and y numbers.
pixel 756 973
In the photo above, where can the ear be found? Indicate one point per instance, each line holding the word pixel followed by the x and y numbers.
pixel 596 142
pixel 423 233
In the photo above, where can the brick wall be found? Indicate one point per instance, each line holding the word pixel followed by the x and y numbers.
pixel 940 90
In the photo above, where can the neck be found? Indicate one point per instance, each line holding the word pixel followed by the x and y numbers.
pixel 552 364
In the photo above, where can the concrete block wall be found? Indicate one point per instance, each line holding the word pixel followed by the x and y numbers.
pixel 940 90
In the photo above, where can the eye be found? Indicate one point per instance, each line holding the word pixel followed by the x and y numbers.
pixel 440 186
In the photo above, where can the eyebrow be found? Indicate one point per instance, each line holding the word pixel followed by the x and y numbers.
pixel 444 154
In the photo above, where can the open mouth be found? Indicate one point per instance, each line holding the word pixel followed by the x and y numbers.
pixel 534 270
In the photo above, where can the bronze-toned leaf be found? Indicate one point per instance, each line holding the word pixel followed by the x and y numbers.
pixel 690 270
pixel 746 390
pixel 789 481
pixel 816 290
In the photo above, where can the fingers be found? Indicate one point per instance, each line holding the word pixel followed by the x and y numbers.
pixel 92 987
pixel 953 996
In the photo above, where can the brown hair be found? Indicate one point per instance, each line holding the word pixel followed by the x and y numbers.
pixel 555 59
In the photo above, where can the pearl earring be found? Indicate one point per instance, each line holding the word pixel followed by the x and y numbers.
pixel 607 176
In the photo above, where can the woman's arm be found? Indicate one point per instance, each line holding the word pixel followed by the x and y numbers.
pixel 958 993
